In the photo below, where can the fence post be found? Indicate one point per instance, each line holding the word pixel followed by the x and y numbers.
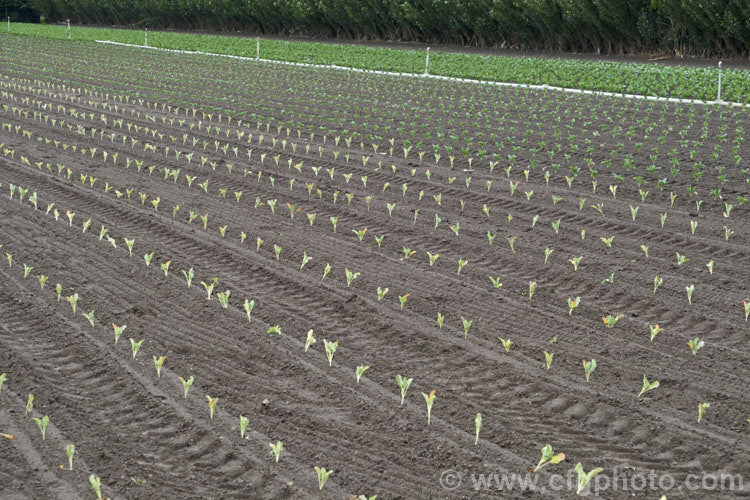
pixel 145 42
pixel 257 47
pixel 68 28
pixel 427 62
pixel 718 97
pixel 8 24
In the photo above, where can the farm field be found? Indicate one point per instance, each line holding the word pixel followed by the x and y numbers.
pixel 486 243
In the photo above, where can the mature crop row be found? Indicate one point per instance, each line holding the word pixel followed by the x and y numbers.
pixel 711 27
pixel 642 79
pixel 383 277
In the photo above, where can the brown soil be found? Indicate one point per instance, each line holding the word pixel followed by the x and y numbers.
pixel 130 426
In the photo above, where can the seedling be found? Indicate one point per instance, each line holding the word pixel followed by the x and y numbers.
pixel 572 304
pixel 432 258
pixel 461 264
pixel 402 300
pixel 381 293
pixel 3 378
pixel 276 450
pixel 477 427
pixel 360 370
pixel 90 316
pixel 27 270
pixel 189 275
pixel 135 346
pixel 745 304
pixel 96 484
pixel 158 362
pixel 165 267
pixel 323 476
pixel 512 242
pixel 575 261
pixel 248 306
pixel 186 384
pixel 58 290
pixel 403 384
pixel 210 287
pixel 549 457
pixel 532 289
pixel 681 259
pixel 429 399
pixel 655 329
pixel 147 257
pixel 224 298
pixel 118 331
pixel 330 348
pixel 29 405
pixel 695 345
pixel 647 386
pixel 690 289
pixel 548 358
pixel 73 300
pixel 360 233
pixel 589 367
pixel 610 320
pixel 506 343
pixel 710 267
pixel 702 407
pixel 326 271
pixel 277 251
pixel 70 451
pixel 244 423
pixel 212 405
pixel 547 252
pixel 310 339
pixel 585 477
pixel 466 324
pixel 607 241
pixel 42 423
pixel 350 276
pixel 657 282
pixel 274 330
pixel 496 282
pixel 440 320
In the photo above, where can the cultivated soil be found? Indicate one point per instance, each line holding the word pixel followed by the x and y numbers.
pixel 144 439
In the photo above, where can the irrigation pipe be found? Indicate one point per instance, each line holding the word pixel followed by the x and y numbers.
pixel 598 93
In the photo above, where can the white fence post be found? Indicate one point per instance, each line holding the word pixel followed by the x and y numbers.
pixel 68 28
pixel 427 63
pixel 257 47
pixel 145 41
pixel 8 24
pixel 718 97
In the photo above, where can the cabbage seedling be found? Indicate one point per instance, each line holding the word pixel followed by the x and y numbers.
pixel 657 282
pixel 695 345
pixel 681 259
pixel 212 405
pixel 186 384
pixel 224 298
pixel 165 267
pixel 323 476
pixel 466 323
pixel 655 329
pixel 572 304
pixel 277 251
pixel 135 346
pixel 326 271
pixel 3 378
pixel 360 370
pixel 548 358
pixel 118 331
pixel 440 320
pixel 42 423
pixel 506 343
pixel 461 264
pixel 58 290
pixel 70 451
pixel 690 289
pixel 496 282
pixel 335 223
pixel 29 405
pixel 10 259
pixel 408 252
pixel 429 399
pixel 360 233
pixel 330 348
pixel 158 362
pixel 549 457
pixel 275 329
pixel 147 257
pixel 310 340
pixel 258 243
pixel 42 280
pixel 432 258
pixel 403 384
pixel 73 300
pixel 589 367
pixel 244 423
pixel 402 300
pixel 512 242
pixel 381 293
pixel 189 275
pixel 607 241
pixel 585 477
pixel 532 289
pixel 210 287
pixel 547 252
pixel 702 407
pixel 27 270
pixel 710 267
pixel 647 386
pixel 746 305
pixel 96 484
pixel 610 320
pixel 490 237
pixel 350 276
pixel 276 450
pixel 90 317
pixel 379 239
pixel 477 427
pixel 575 261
